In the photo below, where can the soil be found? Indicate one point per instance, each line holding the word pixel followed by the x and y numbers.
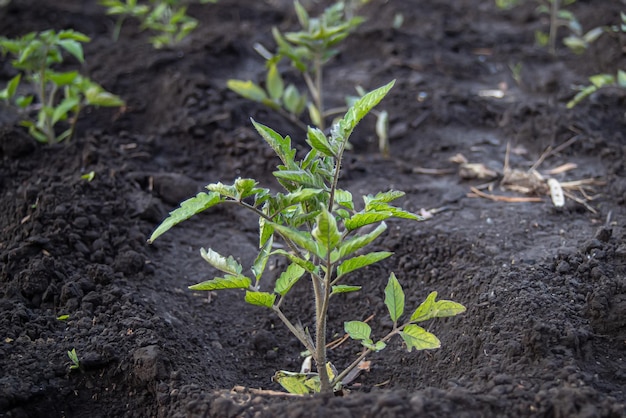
pixel 545 288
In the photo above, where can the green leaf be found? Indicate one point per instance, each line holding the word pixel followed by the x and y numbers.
pixel 326 232
pixel 62 110
pixel 24 101
pixel 292 100
pixel 354 244
pixel 274 82
pixel 300 178
pixel 361 219
pixel 303 16
pixel 361 108
pixel 88 176
pixel 223 189
pixel 261 260
pixel 305 264
pixel 418 338
pixel 226 265
pixel 245 188
pixel 361 261
pixel 342 288
pixel 394 298
pixel 602 80
pixel 247 89
pixel 395 212
pixel 11 87
pixel 288 278
pixel 280 145
pixel 383 197
pixel 318 141
pixel 357 330
pixel 344 198
pixel 380 346
pixel 301 239
pixel 297 383
pixel 222 283
pixel 621 78
pixel 266 230
pixel 97 96
pixel 315 115
pixel 431 308
pixel 263 299
pixel 73 47
pixel 187 209
pixel 63 317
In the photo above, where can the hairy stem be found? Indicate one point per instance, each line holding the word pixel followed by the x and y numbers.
pixel 295 331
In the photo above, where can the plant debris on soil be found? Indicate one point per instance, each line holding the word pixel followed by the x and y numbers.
pixel 545 288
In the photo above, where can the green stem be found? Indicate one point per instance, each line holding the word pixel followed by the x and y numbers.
pixel 295 331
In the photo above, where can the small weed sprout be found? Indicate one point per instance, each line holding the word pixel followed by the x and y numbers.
pixel 308 51
pixel 60 96
pixel 168 19
pixel 75 362
pixel 322 234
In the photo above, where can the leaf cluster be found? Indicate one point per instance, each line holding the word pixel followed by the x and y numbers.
pixel 60 95
pixel 168 19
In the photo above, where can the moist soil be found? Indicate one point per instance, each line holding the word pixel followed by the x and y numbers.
pixel 545 288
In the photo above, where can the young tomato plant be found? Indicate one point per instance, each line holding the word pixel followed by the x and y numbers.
pixel 60 96
pixel 322 233
pixel 168 19
pixel 308 51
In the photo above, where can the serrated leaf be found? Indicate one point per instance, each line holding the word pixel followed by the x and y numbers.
pixel 384 197
pixel 274 81
pixel 187 209
pixel 361 108
pixel 301 239
pixel 376 206
pixel 248 90
pixel 222 283
pixel 263 299
pixel 288 278
pixel 300 178
pixel 245 187
pixel 261 260
pixel 318 141
pixel 344 198
pixel 326 232
pixel 394 298
pixel 361 219
pixel 297 383
pixel 431 308
pixel 305 264
pixel 354 244
pixel 418 338
pixel 361 261
pixel 266 230
pixel 223 189
pixel 224 264
pixel 342 288
pixel 280 145
pixel 357 330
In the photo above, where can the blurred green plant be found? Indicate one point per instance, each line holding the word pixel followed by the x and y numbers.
pixel 308 51
pixel 168 19
pixel 322 232
pixel 75 362
pixel 600 81
pixel 60 96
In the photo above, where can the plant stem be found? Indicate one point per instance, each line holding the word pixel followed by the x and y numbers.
pixel 295 331
pixel 554 22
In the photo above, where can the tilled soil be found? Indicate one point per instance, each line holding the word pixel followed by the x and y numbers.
pixel 545 288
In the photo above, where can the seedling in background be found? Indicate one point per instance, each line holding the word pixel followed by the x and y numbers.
pixel 74 359
pixel 60 96
pixel 577 41
pixel 168 19
pixel 308 51
pixel 322 232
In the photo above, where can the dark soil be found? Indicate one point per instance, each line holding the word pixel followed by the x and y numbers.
pixel 545 329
